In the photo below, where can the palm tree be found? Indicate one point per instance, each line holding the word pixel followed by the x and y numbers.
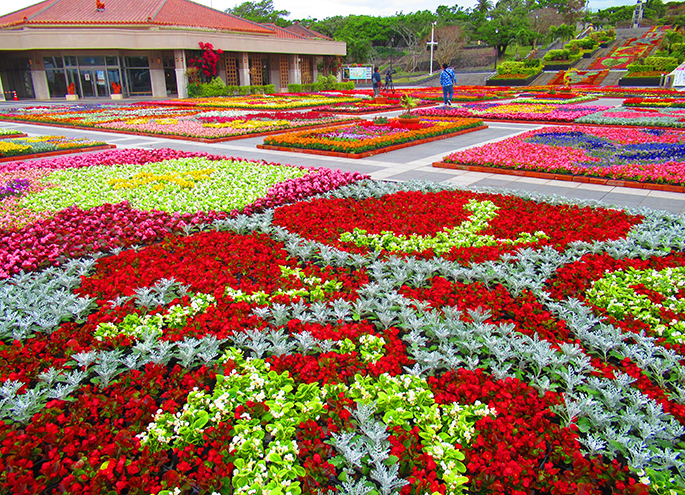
pixel 483 6
pixel 672 37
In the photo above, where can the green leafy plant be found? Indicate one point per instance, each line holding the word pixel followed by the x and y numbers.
pixel 408 103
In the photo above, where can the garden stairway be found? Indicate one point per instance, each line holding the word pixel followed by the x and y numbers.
pixel 585 63
pixel 613 77
pixel 543 78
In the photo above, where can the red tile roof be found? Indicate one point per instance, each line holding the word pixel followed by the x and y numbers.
pixel 283 33
pixel 117 12
pixel 306 32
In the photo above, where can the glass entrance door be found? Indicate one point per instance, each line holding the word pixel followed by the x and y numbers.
pixel 88 83
pixel 94 83
pixel 101 82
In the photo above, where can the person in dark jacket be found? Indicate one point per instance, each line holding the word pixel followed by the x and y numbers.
pixel 376 79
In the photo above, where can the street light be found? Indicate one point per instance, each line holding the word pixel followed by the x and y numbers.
pixel 496 49
pixel 432 44
pixel 392 56
pixel 392 52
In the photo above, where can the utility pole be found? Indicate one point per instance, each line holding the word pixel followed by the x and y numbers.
pixel 432 43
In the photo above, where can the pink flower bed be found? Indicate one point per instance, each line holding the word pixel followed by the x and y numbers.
pixel 30 240
pixel 628 154
pixel 515 111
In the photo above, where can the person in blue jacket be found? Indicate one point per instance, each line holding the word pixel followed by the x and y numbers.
pixel 447 81
pixel 376 79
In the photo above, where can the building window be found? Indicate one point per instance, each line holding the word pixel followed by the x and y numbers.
pixel 92 75
pixel 91 60
pixel 284 71
pixel 266 65
pixel 255 65
pixel 138 76
pixel 170 76
pixel 16 76
pixel 232 75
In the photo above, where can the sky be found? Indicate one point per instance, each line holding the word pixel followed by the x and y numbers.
pixel 303 9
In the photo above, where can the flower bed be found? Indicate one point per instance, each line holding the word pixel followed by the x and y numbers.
pixel 5 133
pixel 652 117
pixel 622 92
pixel 282 101
pixel 651 156
pixel 370 137
pixel 15 148
pixel 65 211
pixel 556 99
pixel 540 112
pixel 269 353
pixel 630 50
pixel 655 102
pixel 177 121
pixel 362 106
pixel 579 77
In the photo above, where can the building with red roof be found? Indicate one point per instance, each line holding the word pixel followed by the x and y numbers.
pixel 143 46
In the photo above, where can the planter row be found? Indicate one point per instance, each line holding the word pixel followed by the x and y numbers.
pixel 378 151
pixel 186 138
pixel 57 152
pixel 639 81
pixel 564 177
pixel 512 82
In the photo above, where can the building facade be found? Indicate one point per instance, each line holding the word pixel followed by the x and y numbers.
pixel 94 47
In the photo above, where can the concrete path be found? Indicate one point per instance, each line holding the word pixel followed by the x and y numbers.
pixel 401 165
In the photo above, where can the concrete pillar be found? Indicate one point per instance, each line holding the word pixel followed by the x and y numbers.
pixel 274 71
pixel 315 68
pixel 244 69
pixel 181 78
pixel 2 90
pixel 40 81
pixel 157 79
pixel 294 66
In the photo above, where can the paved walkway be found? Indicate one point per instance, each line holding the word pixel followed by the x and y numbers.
pixel 401 165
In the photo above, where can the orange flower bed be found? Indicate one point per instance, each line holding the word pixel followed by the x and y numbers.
pixel 367 136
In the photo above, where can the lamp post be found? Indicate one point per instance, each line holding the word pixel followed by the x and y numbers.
pixel 432 43
pixel 496 48
pixel 392 56
pixel 392 53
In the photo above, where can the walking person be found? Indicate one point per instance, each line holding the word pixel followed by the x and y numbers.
pixel 447 81
pixel 376 79
pixel 388 81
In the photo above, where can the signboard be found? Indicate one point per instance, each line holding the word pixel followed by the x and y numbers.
pixel 357 72
pixel 679 77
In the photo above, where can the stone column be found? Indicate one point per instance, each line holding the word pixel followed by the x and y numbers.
pixel 41 90
pixel 244 69
pixel 295 75
pixel 181 78
pixel 275 71
pixel 315 68
pixel 157 75
pixel 2 90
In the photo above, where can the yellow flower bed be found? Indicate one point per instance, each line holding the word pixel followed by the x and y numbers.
pixel 273 102
pixel 249 124
pixel 185 180
pixel 11 148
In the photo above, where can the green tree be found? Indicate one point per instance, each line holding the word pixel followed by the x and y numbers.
pixel 452 15
pixel 671 37
pixel 260 11
pixel 562 32
pixel 506 21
